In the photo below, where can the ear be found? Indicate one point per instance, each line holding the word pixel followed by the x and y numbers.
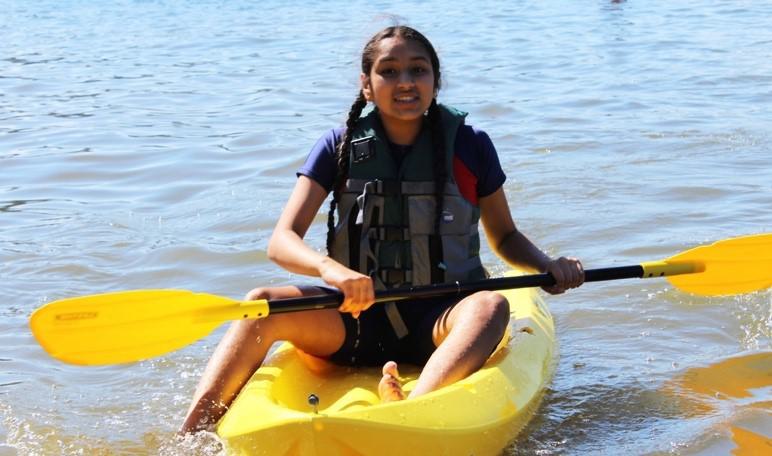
pixel 364 81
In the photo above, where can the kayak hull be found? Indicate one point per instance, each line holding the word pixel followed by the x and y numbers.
pixel 479 415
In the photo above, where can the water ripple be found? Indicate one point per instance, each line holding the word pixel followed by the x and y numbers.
pixel 153 144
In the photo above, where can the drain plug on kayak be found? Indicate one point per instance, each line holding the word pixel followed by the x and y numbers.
pixel 313 401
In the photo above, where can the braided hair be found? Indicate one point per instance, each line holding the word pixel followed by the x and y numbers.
pixel 343 151
pixel 369 55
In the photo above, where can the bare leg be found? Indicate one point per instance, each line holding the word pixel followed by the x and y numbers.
pixel 465 336
pixel 245 345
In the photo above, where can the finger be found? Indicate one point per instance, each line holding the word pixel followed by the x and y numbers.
pixel 555 272
pixel 358 298
pixel 569 275
pixel 347 304
pixel 578 272
pixel 554 289
pixel 573 276
pixel 363 294
pixel 580 269
pixel 369 298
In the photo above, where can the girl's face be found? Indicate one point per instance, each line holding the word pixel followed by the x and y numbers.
pixel 401 82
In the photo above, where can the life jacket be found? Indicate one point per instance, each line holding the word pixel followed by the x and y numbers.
pixel 386 211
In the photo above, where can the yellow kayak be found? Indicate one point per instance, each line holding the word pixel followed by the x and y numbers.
pixel 479 415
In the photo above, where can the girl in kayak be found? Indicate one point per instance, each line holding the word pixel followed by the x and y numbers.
pixel 409 181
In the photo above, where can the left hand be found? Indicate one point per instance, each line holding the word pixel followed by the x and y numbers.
pixel 568 273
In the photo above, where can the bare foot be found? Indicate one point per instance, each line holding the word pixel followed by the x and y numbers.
pixel 389 388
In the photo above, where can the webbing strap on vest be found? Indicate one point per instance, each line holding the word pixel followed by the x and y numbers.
pixel 392 187
pixel 393 275
pixel 435 253
pixel 397 323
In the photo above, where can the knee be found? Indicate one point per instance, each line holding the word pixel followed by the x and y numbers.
pixel 257 293
pixel 271 293
pixel 493 308
pixel 280 292
pixel 254 328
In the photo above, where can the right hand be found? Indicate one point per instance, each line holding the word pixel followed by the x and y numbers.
pixel 357 288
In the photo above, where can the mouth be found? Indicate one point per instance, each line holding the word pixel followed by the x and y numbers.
pixel 406 98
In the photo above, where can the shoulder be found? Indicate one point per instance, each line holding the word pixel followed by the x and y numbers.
pixel 321 164
pixel 470 137
pixel 474 147
pixel 329 140
pixel 476 155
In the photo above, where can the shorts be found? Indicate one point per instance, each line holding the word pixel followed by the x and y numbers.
pixel 371 340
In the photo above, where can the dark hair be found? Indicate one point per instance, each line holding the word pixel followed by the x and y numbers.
pixel 369 54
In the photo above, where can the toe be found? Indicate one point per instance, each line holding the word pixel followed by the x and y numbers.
pixel 390 368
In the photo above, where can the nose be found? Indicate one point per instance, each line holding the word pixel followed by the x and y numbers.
pixel 406 78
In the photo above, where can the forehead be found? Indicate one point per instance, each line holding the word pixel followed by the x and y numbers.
pixel 398 48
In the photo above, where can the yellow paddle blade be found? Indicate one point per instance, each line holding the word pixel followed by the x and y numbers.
pixel 732 266
pixel 133 325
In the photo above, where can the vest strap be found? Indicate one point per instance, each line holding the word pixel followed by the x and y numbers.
pixel 394 276
pixel 377 186
pixel 437 261
pixel 395 188
pixel 397 323
pixel 389 233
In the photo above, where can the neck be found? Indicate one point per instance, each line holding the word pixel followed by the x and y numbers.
pixel 402 132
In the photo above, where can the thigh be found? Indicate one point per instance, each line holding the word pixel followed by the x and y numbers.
pixel 316 332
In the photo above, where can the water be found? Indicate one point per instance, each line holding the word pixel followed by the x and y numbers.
pixel 151 144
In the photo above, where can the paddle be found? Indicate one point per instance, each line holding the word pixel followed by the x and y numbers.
pixel 134 325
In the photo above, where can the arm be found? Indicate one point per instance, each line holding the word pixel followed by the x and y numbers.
pixel 516 249
pixel 286 247
pixel 288 250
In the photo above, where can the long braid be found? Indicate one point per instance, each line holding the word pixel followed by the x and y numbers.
pixel 343 152
pixel 440 163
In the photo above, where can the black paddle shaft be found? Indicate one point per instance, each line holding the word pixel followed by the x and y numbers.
pixel 333 300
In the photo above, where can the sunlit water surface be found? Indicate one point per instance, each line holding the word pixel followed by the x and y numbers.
pixel 152 144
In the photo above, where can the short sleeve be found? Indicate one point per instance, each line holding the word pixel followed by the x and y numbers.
pixel 491 175
pixel 321 165
pixel 478 154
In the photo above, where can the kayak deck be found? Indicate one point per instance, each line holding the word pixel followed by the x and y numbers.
pixel 478 415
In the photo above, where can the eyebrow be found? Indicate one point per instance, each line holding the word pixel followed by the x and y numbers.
pixel 391 59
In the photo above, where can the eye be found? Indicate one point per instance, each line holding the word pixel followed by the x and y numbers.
pixel 387 72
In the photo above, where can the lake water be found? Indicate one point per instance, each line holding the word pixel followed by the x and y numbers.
pixel 152 144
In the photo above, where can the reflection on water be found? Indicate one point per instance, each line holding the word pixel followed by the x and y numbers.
pixel 153 144
pixel 749 443
pixel 735 387
pixel 733 378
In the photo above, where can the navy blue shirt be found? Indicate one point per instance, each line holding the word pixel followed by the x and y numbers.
pixel 476 166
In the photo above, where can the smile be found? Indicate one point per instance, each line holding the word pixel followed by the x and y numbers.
pixel 406 98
